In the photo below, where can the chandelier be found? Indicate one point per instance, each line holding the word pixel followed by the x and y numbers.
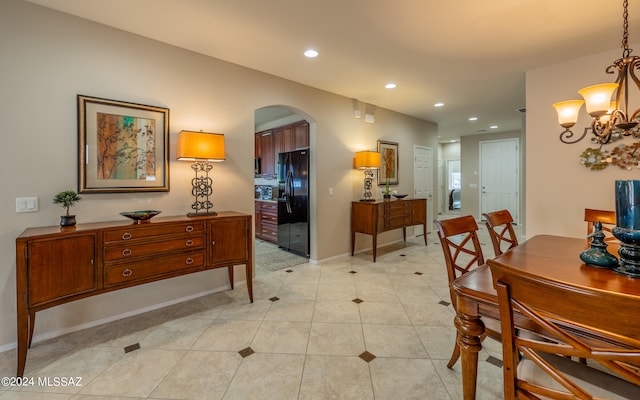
pixel 611 120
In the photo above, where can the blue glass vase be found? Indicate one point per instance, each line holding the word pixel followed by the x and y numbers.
pixel 627 229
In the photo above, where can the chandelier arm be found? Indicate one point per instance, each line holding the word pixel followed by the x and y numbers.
pixel 568 134
pixel 601 131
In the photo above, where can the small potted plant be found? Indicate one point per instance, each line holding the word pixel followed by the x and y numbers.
pixel 67 199
pixel 387 193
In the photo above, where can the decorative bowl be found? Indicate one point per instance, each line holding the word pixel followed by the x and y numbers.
pixel 140 217
pixel 399 196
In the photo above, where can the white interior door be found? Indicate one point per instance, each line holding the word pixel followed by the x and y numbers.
pixel 499 176
pixel 441 190
pixel 423 180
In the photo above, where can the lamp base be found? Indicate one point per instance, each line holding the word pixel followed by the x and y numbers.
pixel 202 214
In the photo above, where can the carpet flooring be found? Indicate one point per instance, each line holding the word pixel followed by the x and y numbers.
pixel 271 258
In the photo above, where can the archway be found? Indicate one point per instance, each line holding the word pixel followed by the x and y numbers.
pixel 285 187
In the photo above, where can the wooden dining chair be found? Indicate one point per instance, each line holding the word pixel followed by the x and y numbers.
pixel 500 227
pixel 535 368
pixel 607 218
pixel 462 252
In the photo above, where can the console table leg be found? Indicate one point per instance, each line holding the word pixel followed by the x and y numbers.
pixel 250 280
pixel 230 268
pixel 424 233
pixel 374 238
pixel 404 233
pixel 353 242
pixel 25 334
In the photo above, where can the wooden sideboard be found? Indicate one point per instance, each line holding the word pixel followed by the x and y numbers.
pixel 373 217
pixel 57 265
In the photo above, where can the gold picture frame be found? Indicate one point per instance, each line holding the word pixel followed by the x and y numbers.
pixel 389 163
pixel 122 147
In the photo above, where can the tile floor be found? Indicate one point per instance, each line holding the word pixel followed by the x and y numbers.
pixel 348 329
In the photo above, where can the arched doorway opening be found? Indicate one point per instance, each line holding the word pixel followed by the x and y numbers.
pixel 284 187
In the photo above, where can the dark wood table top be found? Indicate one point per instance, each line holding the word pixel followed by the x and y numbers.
pixel 554 257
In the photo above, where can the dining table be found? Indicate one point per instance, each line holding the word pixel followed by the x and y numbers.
pixel 549 256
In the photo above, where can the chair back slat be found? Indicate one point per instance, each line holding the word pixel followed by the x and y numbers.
pixel 460 245
pixel 607 218
pixel 500 227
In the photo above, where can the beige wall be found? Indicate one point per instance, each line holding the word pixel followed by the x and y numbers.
pixel 558 187
pixel 49 57
pixel 470 168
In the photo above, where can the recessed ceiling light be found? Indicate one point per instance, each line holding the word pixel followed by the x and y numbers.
pixel 452 141
pixel 439 104
pixel 311 53
pixel 494 127
pixel 473 118
pixel 390 85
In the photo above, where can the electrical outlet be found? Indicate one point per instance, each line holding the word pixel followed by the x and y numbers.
pixel 26 204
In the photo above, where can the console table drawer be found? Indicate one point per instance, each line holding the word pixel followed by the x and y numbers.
pixel 138 232
pixel 143 248
pixel 151 268
pixel 398 207
pixel 397 222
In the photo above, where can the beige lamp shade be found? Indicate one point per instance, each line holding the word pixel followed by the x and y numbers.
pixel 598 98
pixel 200 146
pixel 568 112
pixel 367 159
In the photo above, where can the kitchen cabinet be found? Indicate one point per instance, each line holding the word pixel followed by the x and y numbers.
pixel 57 265
pixel 267 223
pixel 283 139
pixel 264 142
pixel 300 135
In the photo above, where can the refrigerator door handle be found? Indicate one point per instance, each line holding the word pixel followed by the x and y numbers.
pixel 289 191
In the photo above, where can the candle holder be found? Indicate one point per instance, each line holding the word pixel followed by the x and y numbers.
pixel 627 229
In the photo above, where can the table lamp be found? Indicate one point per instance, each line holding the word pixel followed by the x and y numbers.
pixel 367 160
pixel 201 148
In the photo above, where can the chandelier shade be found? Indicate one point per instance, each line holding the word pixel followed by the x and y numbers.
pixel 568 112
pixel 598 98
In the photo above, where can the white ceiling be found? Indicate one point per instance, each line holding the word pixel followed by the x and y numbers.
pixel 470 54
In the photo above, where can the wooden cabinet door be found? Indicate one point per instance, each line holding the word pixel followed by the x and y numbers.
pixel 267 155
pixel 61 267
pixel 301 135
pixel 228 238
pixel 418 211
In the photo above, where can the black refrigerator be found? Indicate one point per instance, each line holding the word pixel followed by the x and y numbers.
pixel 293 201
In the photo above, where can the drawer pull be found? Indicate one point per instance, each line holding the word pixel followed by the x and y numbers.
pixel 189 261
pixel 213 242
pixel 126 252
pixel 189 228
pixel 126 236
pixel 127 272
pixel 189 243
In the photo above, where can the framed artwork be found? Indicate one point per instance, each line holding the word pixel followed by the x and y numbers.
pixel 388 163
pixel 122 147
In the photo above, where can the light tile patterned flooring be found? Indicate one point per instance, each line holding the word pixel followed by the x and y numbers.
pixel 305 336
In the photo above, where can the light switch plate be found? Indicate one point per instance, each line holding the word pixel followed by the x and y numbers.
pixel 26 204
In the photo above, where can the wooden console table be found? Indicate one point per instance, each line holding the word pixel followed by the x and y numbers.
pixel 56 265
pixel 373 217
